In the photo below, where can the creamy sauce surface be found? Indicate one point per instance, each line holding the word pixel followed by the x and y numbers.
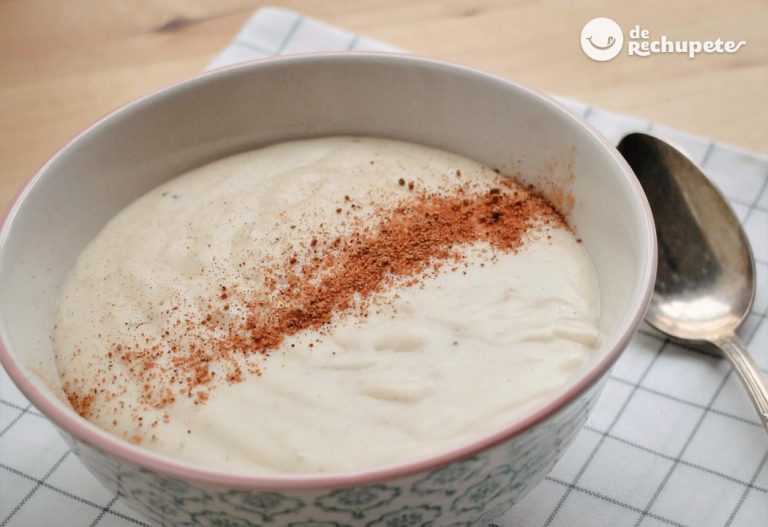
pixel 425 366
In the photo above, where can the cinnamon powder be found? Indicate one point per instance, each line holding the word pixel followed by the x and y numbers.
pixel 410 242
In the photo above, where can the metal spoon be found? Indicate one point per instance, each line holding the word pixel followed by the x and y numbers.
pixel 706 274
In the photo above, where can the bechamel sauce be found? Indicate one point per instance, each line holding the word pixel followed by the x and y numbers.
pixel 456 355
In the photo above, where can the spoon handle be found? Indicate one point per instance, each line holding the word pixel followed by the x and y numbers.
pixel 751 374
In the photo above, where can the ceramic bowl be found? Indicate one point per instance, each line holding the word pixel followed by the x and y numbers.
pixel 222 112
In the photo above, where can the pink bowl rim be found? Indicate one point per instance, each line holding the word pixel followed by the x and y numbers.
pixel 67 420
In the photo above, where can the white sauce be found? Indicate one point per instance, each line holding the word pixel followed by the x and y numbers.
pixel 441 363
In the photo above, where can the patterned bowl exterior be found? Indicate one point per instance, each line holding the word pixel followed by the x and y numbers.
pixel 469 492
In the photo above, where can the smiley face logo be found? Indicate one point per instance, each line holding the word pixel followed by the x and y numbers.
pixel 602 39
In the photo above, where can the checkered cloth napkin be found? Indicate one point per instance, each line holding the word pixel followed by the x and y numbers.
pixel 673 439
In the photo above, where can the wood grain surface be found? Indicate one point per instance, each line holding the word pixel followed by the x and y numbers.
pixel 64 64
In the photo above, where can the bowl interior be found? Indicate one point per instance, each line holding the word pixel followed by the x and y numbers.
pixel 162 135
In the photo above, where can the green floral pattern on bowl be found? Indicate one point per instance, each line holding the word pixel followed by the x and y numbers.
pixel 469 492
pixel 357 500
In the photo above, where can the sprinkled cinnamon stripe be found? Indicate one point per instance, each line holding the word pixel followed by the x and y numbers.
pixel 411 241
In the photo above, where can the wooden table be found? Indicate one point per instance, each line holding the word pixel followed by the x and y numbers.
pixel 64 64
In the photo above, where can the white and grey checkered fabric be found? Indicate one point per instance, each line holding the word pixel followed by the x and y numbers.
pixel 672 441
